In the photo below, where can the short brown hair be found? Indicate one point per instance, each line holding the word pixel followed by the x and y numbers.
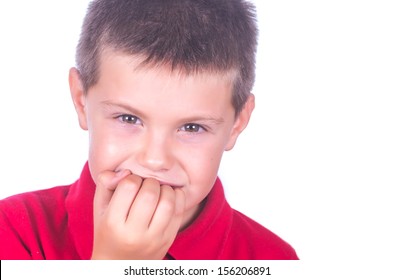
pixel 189 35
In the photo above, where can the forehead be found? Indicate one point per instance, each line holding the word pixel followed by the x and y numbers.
pixel 110 59
pixel 124 79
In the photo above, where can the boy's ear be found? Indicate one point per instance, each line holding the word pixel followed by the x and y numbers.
pixel 241 122
pixel 78 96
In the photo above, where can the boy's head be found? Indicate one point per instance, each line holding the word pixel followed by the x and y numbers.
pixel 164 88
pixel 191 36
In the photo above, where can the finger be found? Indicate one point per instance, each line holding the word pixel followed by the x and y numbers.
pixel 165 210
pixel 122 198
pixel 178 219
pixel 144 205
pixel 105 185
pixel 180 202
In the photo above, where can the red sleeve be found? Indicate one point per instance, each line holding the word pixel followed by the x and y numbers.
pixel 32 225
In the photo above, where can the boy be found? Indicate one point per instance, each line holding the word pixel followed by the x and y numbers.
pixel 163 87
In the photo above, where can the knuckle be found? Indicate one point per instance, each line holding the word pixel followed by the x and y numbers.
pixel 109 224
pixel 134 241
pixel 167 205
pixel 130 242
pixel 150 196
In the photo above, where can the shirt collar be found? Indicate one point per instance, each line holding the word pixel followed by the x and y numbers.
pixel 79 204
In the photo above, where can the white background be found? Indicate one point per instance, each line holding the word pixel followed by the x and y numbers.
pixel 315 164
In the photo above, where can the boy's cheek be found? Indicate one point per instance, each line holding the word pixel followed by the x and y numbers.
pixel 105 155
pixel 106 152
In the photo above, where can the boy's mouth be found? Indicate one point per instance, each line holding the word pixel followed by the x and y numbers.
pixel 169 184
pixel 162 182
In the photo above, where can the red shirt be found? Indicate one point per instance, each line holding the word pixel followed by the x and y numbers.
pixel 57 223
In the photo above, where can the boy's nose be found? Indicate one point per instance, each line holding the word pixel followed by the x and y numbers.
pixel 155 153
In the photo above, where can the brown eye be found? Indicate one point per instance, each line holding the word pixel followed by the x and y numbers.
pixel 192 127
pixel 129 119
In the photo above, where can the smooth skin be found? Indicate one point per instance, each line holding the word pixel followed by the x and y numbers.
pixel 156 141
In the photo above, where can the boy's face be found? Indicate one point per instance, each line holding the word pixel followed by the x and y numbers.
pixel 159 124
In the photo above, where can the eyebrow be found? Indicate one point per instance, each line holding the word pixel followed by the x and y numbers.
pixel 125 107
pixel 189 119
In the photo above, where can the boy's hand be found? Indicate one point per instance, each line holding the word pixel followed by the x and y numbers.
pixel 134 218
